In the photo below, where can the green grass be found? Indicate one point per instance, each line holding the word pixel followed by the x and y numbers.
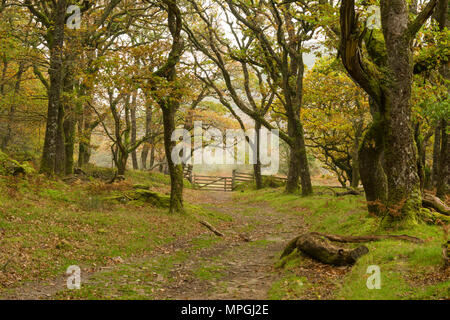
pixel 289 287
pixel 209 272
pixel 48 225
pixel 408 270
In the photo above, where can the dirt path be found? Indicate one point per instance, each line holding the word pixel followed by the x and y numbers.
pixel 241 266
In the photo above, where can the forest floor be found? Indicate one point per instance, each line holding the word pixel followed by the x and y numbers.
pixel 133 251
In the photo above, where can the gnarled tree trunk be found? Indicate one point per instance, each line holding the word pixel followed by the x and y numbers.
pixel 390 88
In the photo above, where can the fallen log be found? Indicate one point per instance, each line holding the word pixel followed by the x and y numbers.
pixel 433 202
pixel 320 247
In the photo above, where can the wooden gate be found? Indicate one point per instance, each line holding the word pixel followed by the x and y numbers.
pixel 216 183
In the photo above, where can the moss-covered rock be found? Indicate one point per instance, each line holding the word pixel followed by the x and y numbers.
pixel 152 197
pixel 143 196
pixel 141 186
pixel 9 166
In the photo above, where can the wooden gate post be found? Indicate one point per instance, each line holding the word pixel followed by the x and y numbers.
pixel 233 177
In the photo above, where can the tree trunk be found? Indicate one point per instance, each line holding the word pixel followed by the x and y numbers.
pixel 371 169
pixel 388 82
pixel 10 122
pixel 355 159
pixel 404 196
pixel 144 155
pixel 148 131
pixel 420 156
pixel 69 122
pixel 257 165
pixel 3 79
pixel 60 160
pixel 171 103
pixel 298 162
pixel 442 12
pixel 152 156
pixel 86 126
pixel 444 168
pixel 121 163
pixel 133 131
pixel 51 160
pixel 84 149
pixel 436 155
pixel 293 175
pixel 175 170
pixel 69 140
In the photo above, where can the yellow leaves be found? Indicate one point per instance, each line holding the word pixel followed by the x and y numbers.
pixel 214 119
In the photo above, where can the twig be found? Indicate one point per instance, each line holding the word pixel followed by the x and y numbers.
pixel 210 227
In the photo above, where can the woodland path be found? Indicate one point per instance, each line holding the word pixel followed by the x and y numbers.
pixel 239 265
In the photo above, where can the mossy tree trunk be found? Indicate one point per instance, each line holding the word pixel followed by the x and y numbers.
pixel 436 155
pixel 51 162
pixel 371 169
pixel 387 78
pixel 166 76
pixel 442 13
pixel 444 169
pixel 121 163
pixel 298 160
pixel 175 170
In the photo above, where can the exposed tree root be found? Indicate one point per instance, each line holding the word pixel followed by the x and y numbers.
pixel 433 217
pixel 433 202
pixel 319 246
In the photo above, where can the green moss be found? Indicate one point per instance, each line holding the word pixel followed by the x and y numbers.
pixel 9 166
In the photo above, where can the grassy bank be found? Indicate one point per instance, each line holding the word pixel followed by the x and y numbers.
pixel 46 226
pixel 408 270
